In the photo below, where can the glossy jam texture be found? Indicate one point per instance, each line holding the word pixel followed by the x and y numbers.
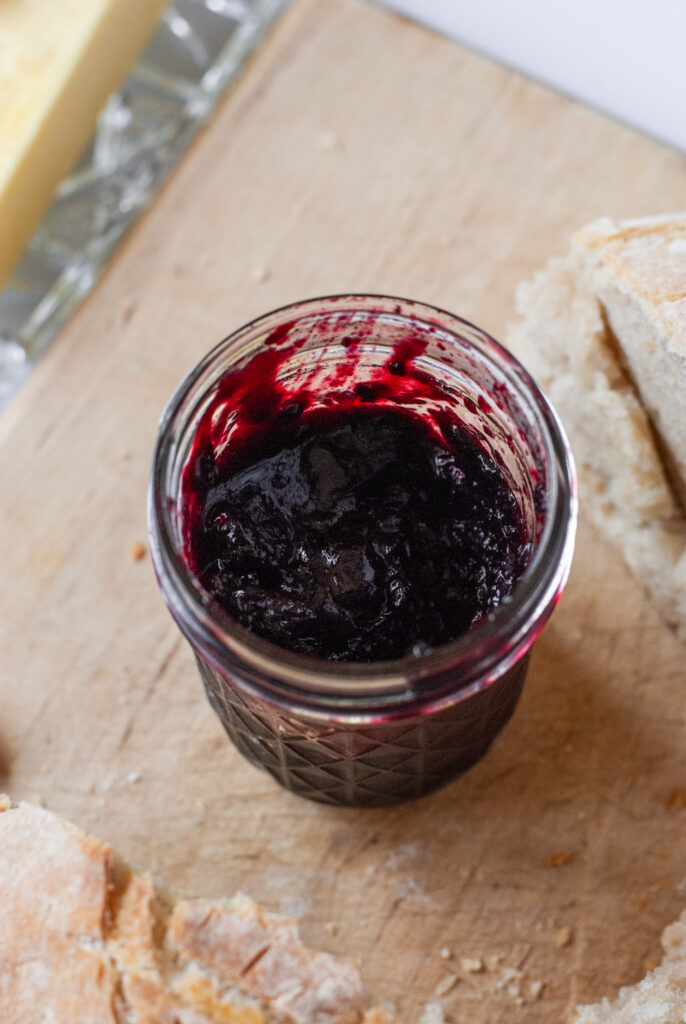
pixel 346 524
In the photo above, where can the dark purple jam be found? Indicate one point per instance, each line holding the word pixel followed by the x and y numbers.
pixel 357 535
pixel 350 528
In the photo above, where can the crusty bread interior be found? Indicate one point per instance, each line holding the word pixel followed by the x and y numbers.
pixel 660 998
pixel 86 939
pixel 603 330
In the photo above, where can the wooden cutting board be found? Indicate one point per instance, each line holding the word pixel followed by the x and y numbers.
pixel 359 152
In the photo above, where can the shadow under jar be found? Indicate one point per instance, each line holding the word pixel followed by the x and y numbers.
pixel 375 732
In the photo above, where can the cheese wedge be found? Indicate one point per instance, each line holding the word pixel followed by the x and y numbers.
pixel 603 330
pixel 59 60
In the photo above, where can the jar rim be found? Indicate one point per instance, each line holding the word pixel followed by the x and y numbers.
pixel 478 656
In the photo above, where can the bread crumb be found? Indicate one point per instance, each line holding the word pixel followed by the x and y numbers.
pixel 563 937
pixel 128 308
pixel 446 953
pixel 260 274
pixel 560 858
pixel 641 902
pixel 509 975
pixel 138 551
pixel 472 964
pixel 134 777
pixel 331 927
pixel 432 1014
pixel 536 988
pixel 329 141
pixel 676 801
pixel 108 783
pixel 494 961
pixel 444 986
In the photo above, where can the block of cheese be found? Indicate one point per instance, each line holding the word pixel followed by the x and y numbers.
pixel 603 329
pixel 86 938
pixel 660 998
pixel 58 63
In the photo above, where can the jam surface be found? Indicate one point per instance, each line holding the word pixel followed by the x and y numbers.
pixel 351 533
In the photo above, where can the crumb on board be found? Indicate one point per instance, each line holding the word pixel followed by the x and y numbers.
pixel 472 964
pixel 260 273
pixel 536 989
pixel 329 142
pixel 560 858
pixel 446 984
pixel 135 777
pixel 563 937
pixel 128 308
pixel 138 551
pixel 446 953
pixel 331 927
pixel 676 801
pixel 432 1014
pixel 509 976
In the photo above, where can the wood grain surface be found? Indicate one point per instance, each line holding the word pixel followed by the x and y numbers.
pixel 358 152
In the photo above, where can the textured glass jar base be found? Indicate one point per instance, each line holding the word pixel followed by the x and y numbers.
pixel 369 765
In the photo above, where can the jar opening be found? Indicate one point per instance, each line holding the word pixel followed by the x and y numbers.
pixel 328 349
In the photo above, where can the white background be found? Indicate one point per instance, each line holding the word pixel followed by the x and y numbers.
pixel 625 57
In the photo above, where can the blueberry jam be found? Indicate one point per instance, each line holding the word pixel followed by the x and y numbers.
pixel 356 531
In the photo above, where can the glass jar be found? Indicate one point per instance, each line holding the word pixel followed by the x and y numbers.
pixel 368 734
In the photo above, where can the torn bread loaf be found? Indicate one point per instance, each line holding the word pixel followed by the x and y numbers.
pixel 659 999
pixel 86 939
pixel 603 330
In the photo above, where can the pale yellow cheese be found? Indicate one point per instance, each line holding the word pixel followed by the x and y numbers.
pixel 59 60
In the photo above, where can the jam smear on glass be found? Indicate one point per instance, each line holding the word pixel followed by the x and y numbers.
pixel 353 532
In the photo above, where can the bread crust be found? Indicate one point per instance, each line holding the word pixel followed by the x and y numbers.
pixel 137 954
pixel 604 332
pixel 648 257
pixel 54 900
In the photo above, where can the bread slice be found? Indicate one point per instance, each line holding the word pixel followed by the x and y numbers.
pixel 603 330
pixel 86 939
pixel 659 999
